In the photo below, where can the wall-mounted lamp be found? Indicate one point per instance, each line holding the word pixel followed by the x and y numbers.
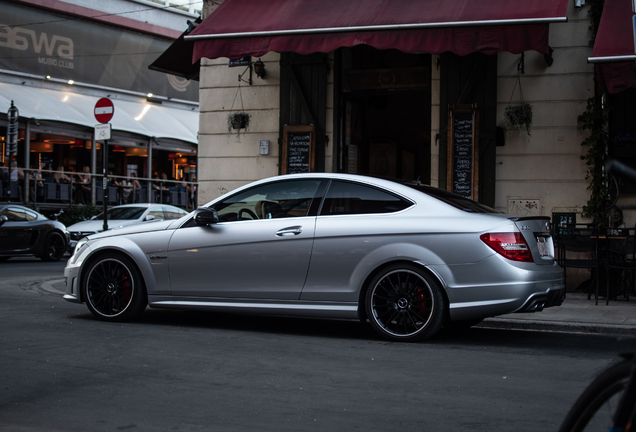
pixel 259 69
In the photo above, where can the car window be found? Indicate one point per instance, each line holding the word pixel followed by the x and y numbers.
pixel 14 214
pixel 30 215
pixel 123 213
pixel 157 212
pixel 353 198
pixel 173 213
pixel 454 200
pixel 282 199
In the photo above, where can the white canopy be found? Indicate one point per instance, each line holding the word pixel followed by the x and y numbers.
pixel 148 119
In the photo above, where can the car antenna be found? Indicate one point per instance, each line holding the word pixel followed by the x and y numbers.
pixel 418 182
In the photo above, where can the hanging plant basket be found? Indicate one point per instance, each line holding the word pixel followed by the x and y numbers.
pixel 238 120
pixel 518 116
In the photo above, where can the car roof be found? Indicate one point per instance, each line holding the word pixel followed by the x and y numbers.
pixel 394 186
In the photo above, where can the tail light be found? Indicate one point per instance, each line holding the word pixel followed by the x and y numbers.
pixel 511 245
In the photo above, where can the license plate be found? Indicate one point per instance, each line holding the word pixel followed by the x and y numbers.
pixel 544 246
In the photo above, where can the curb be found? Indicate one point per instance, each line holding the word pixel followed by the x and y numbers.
pixel 49 286
pixel 558 326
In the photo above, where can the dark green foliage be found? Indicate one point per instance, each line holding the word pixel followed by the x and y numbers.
pixel 76 214
pixel 596 142
pixel 594 119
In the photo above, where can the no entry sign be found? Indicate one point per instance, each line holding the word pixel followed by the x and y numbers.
pixel 104 110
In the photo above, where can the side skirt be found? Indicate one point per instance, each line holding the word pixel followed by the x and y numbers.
pixel 264 307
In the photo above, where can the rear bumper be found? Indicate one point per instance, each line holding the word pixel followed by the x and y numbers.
pixel 538 301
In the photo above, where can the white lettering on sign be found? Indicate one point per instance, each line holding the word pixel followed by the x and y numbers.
pixel 19 38
pixel 104 110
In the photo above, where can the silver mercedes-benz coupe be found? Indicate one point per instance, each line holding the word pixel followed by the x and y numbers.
pixel 408 258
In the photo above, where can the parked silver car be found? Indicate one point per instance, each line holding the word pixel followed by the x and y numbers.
pixel 124 215
pixel 408 258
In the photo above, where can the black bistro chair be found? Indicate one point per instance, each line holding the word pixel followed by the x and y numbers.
pixel 620 262
pixel 578 247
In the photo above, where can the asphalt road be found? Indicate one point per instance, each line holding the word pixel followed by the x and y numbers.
pixel 62 370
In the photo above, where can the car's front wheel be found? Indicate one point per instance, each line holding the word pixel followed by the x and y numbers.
pixel 54 247
pixel 404 303
pixel 114 289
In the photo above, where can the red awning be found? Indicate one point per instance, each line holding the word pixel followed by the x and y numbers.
pixel 239 28
pixel 613 50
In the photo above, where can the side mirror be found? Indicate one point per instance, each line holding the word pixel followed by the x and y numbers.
pixel 3 219
pixel 205 216
pixel 149 218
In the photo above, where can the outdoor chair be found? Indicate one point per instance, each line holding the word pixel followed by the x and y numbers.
pixel 620 262
pixel 577 247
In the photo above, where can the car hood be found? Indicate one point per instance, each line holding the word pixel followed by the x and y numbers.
pixel 149 226
pixel 96 225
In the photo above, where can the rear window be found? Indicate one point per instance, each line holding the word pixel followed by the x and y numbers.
pixel 452 199
pixel 353 198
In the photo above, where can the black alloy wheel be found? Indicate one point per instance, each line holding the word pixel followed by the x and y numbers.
pixel 405 304
pixel 113 288
pixel 54 247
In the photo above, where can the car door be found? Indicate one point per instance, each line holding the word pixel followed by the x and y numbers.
pixel 16 233
pixel 355 222
pixel 260 248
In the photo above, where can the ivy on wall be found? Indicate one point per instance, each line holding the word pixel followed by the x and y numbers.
pixel 594 119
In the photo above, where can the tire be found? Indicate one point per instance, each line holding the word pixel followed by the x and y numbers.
pixel 595 408
pixel 403 303
pixel 113 288
pixel 54 247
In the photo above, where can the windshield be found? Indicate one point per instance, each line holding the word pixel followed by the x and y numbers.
pixel 123 213
pixel 455 200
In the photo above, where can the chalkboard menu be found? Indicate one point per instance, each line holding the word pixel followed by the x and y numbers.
pixel 463 155
pixel 298 149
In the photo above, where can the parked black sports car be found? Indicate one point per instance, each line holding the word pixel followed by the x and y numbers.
pixel 27 232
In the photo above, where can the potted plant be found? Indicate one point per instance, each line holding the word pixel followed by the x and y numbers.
pixel 519 117
pixel 237 121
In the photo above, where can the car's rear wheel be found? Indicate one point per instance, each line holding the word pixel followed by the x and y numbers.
pixel 404 303
pixel 54 247
pixel 114 289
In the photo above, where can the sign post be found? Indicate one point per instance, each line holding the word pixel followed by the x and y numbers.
pixel 104 111
pixel 12 138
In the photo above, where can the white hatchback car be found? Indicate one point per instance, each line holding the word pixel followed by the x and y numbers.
pixel 124 215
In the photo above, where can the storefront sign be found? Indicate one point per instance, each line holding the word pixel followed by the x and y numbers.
pixel 298 149
pixel 85 51
pixel 463 155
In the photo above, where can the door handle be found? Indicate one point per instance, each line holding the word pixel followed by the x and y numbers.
pixel 295 230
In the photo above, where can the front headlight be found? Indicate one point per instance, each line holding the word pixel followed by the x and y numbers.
pixel 80 244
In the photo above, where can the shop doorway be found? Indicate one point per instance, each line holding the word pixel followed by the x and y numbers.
pixel 386 113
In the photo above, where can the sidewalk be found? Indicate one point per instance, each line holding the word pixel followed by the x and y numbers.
pixel 576 314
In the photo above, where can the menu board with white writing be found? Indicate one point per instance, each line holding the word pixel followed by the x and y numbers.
pixel 298 149
pixel 463 159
